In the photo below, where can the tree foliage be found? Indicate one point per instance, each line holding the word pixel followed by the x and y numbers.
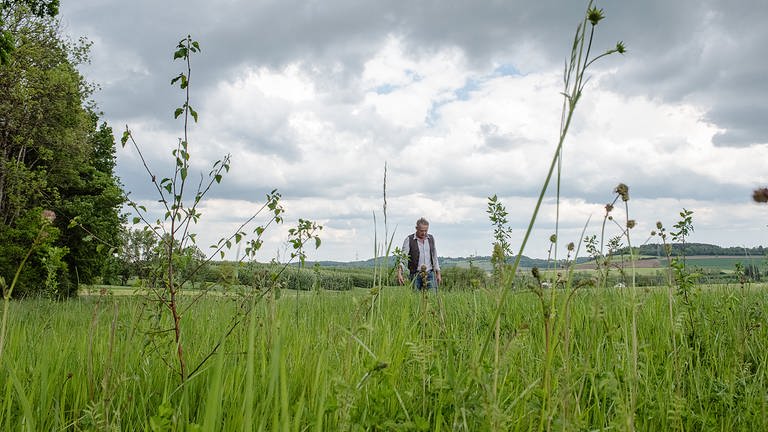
pixel 9 9
pixel 699 249
pixel 54 155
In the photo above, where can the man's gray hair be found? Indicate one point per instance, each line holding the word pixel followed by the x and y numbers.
pixel 422 221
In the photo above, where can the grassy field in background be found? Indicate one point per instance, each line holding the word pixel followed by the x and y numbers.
pixel 724 263
pixel 354 361
pixel 720 263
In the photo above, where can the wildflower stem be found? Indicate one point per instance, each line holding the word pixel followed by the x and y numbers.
pixel 634 341
pixel 574 83
pixel 7 291
pixel 537 207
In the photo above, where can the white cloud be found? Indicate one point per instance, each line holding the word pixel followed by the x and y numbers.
pixel 404 89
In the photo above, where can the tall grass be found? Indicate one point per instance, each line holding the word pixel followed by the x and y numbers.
pixel 331 371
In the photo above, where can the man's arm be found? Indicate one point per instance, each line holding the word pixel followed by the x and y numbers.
pixel 436 264
pixel 406 249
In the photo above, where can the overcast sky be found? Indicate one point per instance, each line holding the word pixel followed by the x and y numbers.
pixel 461 100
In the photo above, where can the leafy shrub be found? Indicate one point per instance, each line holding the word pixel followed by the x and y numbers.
pixel 360 280
pixel 463 278
pixel 334 281
pixel 298 279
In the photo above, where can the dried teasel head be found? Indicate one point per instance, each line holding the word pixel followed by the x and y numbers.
pixel 760 195
pixel 608 208
pixel 631 223
pixel 535 273
pixel 571 247
pixel 623 191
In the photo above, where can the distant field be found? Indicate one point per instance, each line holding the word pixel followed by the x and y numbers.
pixel 725 263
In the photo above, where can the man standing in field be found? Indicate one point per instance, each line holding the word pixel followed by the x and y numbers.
pixel 423 266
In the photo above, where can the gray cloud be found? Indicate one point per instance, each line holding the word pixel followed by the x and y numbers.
pixel 703 54
pixel 687 50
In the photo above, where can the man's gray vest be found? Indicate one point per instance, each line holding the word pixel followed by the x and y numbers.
pixel 413 252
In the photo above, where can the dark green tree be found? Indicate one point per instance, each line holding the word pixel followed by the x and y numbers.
pixel 53 156
pixel 91 202
pixel 10 9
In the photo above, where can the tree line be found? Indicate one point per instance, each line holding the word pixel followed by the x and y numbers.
pixel 693 249
pixel 57 159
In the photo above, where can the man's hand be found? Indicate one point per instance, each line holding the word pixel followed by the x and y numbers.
pixel 400 277
pixel 439 278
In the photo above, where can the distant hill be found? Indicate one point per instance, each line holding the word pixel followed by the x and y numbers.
pixel 647 250
pixel 697 249
pixel 483 262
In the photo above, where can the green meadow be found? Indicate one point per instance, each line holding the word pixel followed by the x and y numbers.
pixel 394 360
